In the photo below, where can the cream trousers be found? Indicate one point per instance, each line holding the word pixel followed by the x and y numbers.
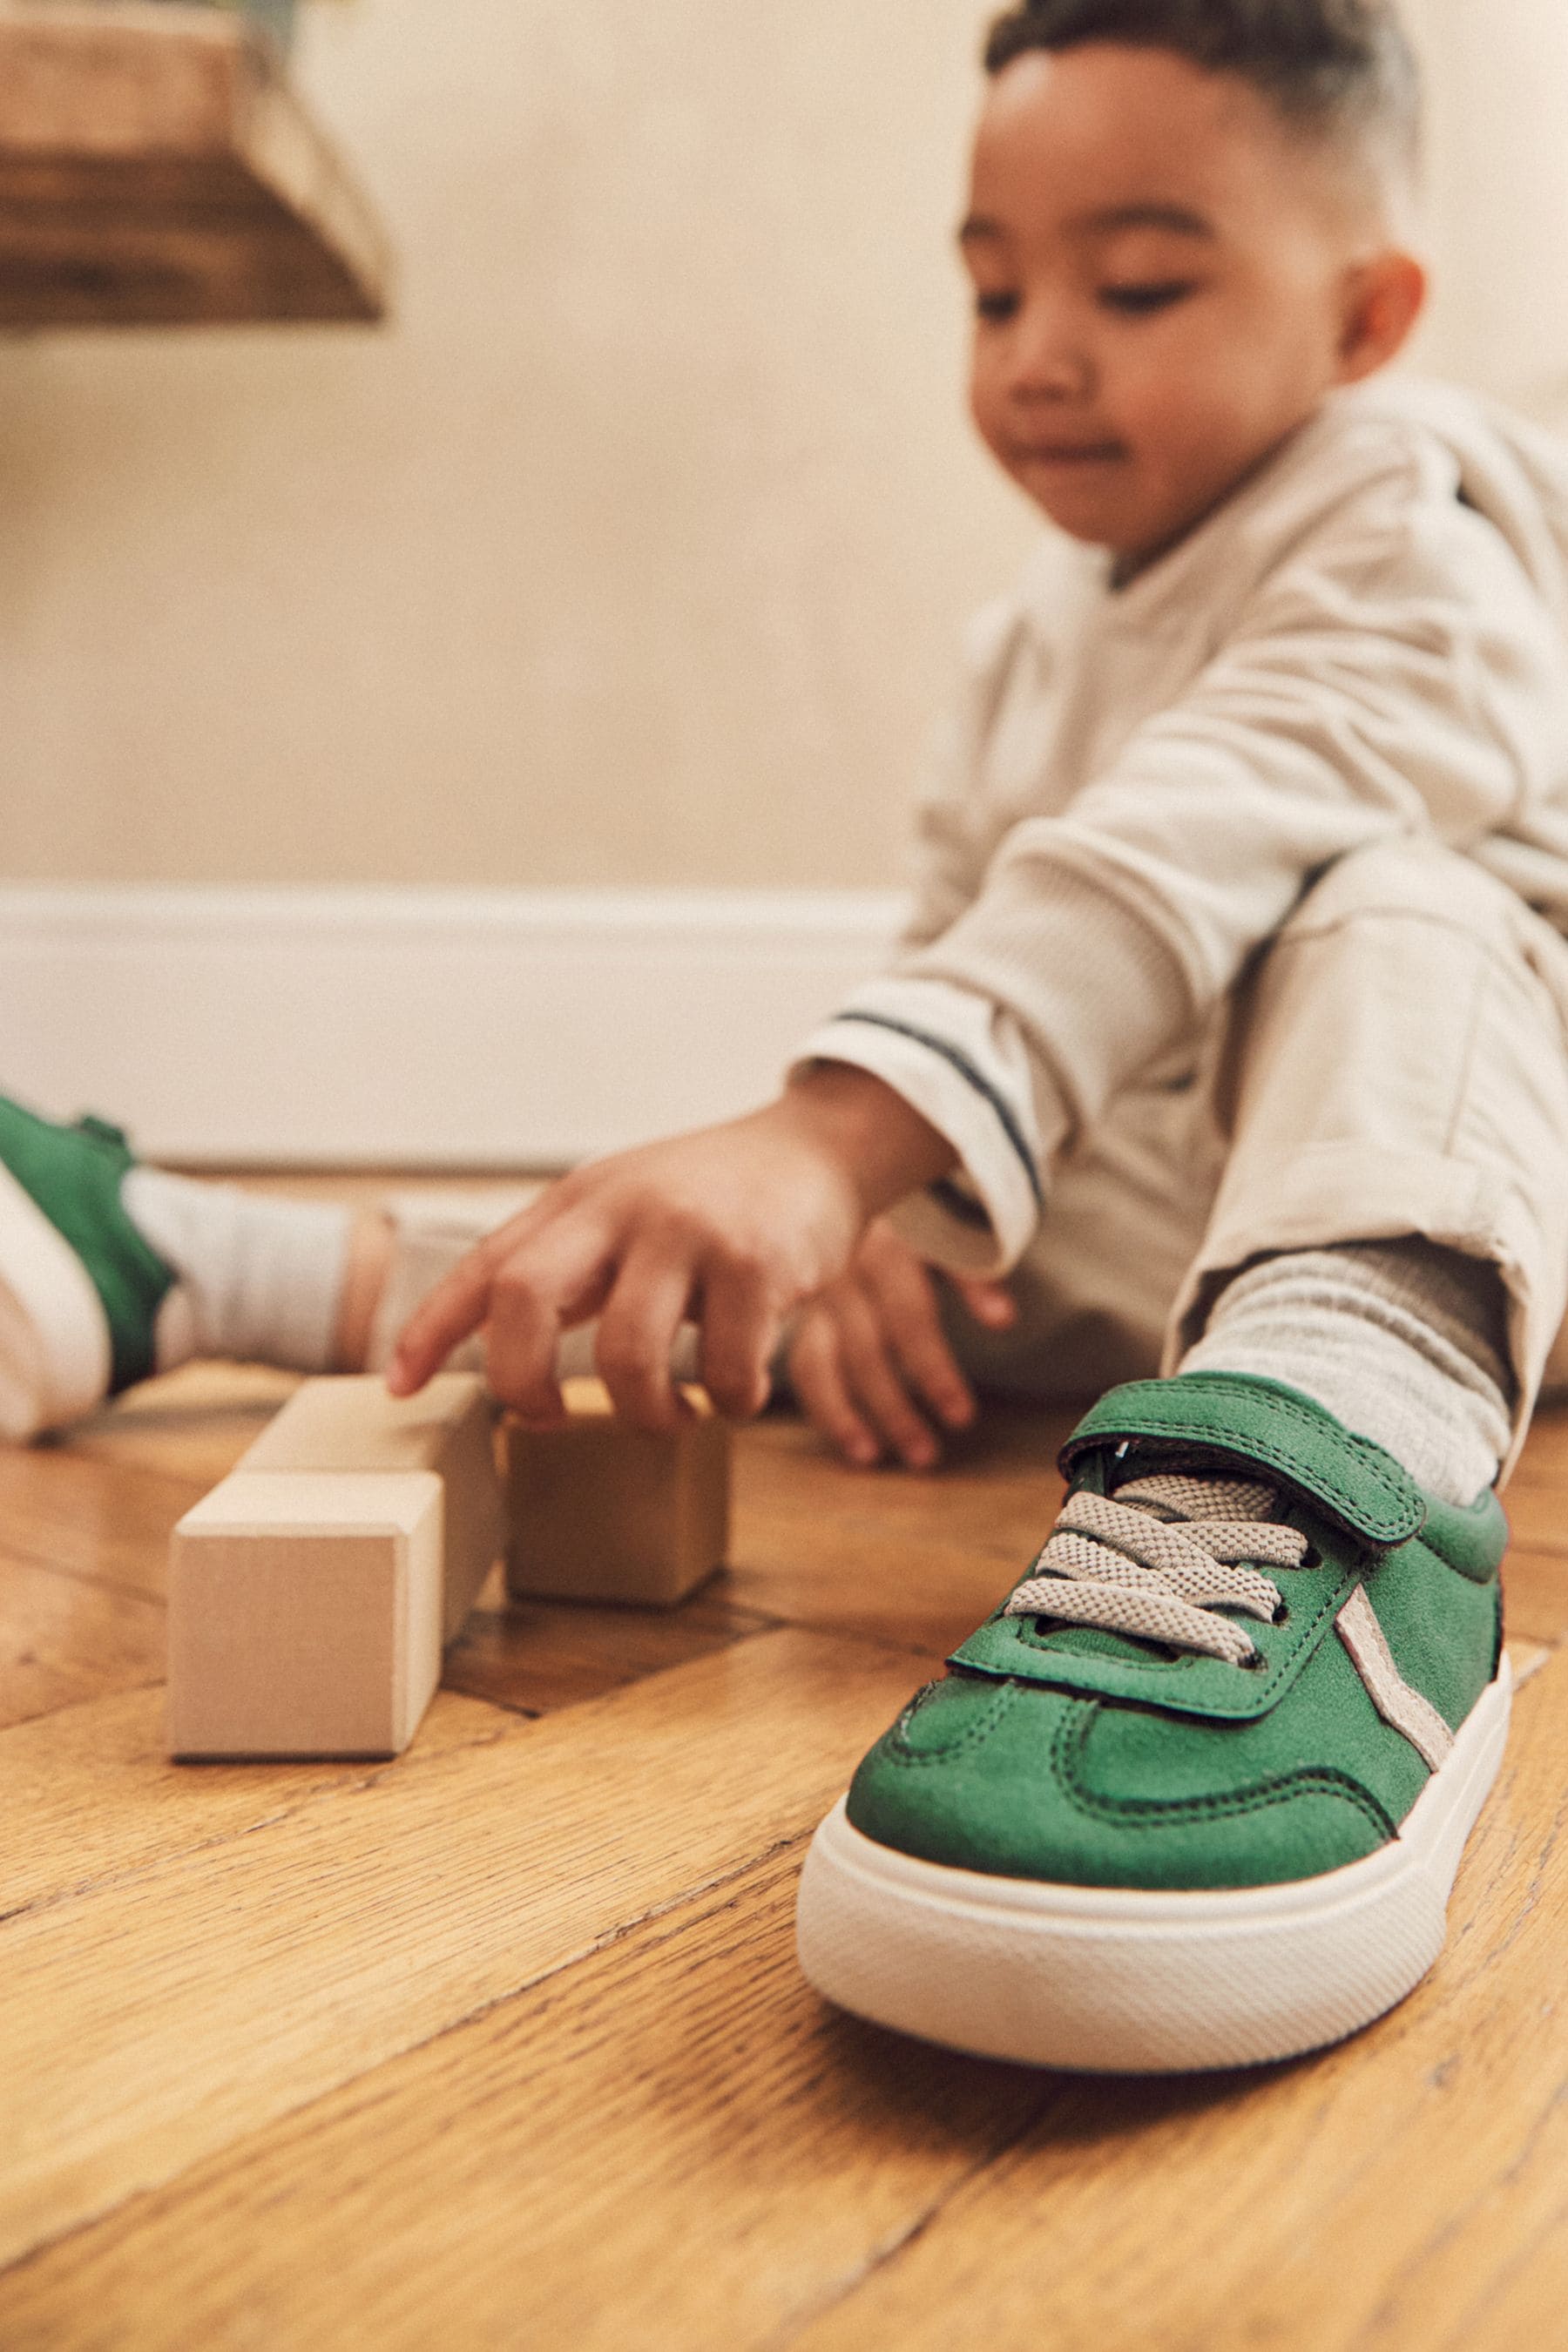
pixel 1395 1062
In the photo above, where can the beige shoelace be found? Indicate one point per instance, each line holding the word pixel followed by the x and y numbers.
pixel 1159 1556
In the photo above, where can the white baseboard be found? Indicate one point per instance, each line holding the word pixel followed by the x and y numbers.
pixel 415 1028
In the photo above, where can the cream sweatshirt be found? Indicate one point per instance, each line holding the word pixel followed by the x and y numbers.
pixel 1369 637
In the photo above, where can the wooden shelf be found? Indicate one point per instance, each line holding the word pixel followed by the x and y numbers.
pixel 157 170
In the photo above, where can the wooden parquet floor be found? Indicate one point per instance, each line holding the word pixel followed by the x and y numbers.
pixel 502 2044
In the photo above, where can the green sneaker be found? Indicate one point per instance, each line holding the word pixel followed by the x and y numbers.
pixel 1195 1795
pixel 79 1288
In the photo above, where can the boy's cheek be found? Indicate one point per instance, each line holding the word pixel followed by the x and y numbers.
pixel 985 408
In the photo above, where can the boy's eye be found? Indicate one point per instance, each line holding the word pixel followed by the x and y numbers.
pixel 995 306
pixel 1139 301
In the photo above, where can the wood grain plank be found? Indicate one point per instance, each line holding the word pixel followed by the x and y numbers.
pixel 146 2025
pixel 539 1655
pixel 1388 2192
pixel 64 1639
pixel 1539 1517
pixel 192 1424
pixel 108 1521
pixel 1536 1594
pixel 672 2142
pixel 1544 1461
pixel 88 1795
pixel 890 1554
pixel 1523 2304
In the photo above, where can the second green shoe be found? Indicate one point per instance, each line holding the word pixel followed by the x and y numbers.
pixel 79 1287
pixel 1195 1794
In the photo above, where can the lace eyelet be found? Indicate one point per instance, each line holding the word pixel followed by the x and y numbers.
pixel 1257 1665
pixel 1282 1614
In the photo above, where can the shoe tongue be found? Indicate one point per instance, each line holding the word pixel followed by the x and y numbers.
pixel 1187 1490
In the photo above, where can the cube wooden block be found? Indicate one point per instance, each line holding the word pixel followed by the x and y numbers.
pixel 351 1423
pixel 311 1593
pixel 599 1511
pixel 305 1614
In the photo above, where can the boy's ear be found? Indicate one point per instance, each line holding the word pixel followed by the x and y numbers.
pixel 1382 300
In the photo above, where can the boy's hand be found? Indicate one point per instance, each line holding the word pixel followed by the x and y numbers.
pixel 730 1228
pixel 870 1362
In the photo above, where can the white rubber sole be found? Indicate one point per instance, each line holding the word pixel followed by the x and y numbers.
pixel 56 1354
pixel 1108 1981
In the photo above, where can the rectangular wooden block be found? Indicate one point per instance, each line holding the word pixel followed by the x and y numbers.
pixel 350 1423
pixel 311 1593
pixel 600 1511
pixel 305 1614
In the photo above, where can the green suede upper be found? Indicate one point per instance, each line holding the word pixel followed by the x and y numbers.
pixel 74 1175
pixel 1067 1754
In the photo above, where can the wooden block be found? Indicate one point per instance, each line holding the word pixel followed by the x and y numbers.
pixel 600 1511
pixel 305 1614
pixel 353 1423
pixel 309 1600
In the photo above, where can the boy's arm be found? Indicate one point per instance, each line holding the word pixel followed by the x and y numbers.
pixel 730 1228
pixel 974 1081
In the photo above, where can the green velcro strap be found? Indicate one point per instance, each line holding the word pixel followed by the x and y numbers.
pixel 1261 1424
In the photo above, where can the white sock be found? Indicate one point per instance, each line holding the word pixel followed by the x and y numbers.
pixel 1402 1341
pixel 258 1279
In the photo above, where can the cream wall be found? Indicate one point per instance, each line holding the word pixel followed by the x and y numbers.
pixel 633 552
pixel 1498 195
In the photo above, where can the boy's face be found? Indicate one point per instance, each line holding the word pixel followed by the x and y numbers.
pixel 1162 279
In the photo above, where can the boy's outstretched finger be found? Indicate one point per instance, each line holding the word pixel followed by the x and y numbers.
pixel 442 1321
pixel 990 1301
pixel 878 1388
pixel 911 1319
pixel 818 1379
pixel 637 1338
pixel 521 1339
pixel 740 1332
pixel 539 1287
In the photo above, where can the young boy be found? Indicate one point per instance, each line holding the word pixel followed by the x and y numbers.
pixel 1229 1041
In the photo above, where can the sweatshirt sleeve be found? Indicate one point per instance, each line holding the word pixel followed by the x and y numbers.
pixel 952 838
pixel 1393 673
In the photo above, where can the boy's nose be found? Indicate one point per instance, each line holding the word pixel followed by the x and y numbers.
pixel 1048 361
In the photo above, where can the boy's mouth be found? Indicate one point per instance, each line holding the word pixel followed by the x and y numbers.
pixel 1068 453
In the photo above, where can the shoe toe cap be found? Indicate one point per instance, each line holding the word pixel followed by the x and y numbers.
pixel 1018 1781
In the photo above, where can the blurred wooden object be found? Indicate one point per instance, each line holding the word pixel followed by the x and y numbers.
pixel 599 1511
pixel 156 170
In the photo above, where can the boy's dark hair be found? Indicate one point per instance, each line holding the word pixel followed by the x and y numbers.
pixel 1340 70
